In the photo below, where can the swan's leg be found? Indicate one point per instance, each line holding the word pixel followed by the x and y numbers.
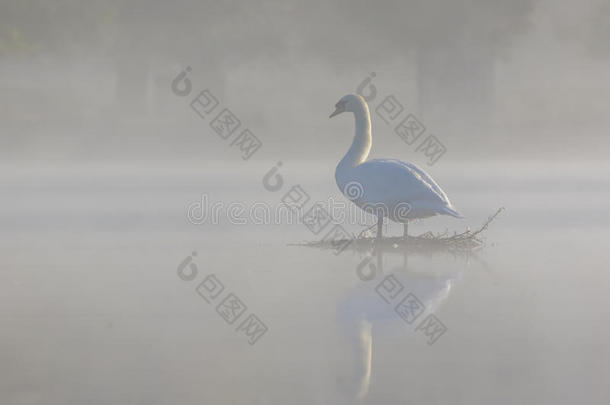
pixel 405 232
pixel 379 226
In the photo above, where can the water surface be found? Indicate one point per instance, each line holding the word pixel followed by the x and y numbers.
pixel 93 309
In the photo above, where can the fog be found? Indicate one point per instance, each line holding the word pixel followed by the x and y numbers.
pixel 112 161
pixel 87 81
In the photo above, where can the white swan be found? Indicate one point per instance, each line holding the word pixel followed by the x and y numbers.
pixel 386 187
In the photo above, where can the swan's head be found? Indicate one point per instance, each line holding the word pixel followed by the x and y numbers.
pixel 351 102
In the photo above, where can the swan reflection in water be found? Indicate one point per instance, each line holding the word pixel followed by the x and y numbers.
pixel 364 312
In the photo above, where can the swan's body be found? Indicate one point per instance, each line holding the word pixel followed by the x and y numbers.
pixel 390 188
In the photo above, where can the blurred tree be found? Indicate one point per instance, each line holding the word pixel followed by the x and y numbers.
pixel 455 42
pixel 52 27
pixel 599 39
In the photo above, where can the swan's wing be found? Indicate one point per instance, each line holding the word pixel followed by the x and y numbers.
pixel 426 177
pixel 393 180
pixel 448 209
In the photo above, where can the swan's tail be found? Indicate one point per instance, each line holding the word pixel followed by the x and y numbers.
pixel 452 212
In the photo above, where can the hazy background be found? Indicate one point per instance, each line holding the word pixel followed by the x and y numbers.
pixel 90 80
pixel 99 161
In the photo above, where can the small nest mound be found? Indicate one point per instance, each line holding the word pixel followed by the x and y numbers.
pixel 458 243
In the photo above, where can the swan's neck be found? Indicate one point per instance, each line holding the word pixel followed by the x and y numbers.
pixel 361 145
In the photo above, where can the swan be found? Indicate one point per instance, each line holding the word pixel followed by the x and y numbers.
pixel 385 187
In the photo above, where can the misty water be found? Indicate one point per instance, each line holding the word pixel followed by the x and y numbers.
pixel 131 270
pixel 94 310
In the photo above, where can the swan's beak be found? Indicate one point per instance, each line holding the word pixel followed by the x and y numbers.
pixel 338 110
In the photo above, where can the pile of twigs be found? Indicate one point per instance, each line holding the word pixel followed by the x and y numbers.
pixel 466 241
